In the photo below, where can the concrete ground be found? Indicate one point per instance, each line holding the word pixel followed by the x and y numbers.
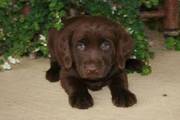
pixel 25 94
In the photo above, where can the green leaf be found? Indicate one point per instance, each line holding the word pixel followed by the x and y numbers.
pixel 177 46
pixel 170 43
pixel 146 70
pixel 4 3
pixel 1 61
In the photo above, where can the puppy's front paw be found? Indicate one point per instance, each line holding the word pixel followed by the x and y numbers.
pixel 124 98
pixel 81 100
pixel 52 75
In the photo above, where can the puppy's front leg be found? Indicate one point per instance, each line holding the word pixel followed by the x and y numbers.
pixel 121 96
pixel 79 96
pixel 52 74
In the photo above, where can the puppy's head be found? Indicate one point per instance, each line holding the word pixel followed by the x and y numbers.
pixel 93 50
pixel 92 45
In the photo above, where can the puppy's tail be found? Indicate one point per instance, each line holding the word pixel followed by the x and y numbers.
pixel 135 65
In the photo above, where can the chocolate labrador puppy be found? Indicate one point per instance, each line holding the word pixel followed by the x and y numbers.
pixel 89 53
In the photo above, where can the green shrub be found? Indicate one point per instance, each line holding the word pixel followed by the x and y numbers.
pixel 173 43
pixel 20 33
pixel 150 3
pixel 170 43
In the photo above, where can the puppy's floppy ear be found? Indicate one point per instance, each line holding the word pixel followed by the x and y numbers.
pixel 61 48
pixel 124 46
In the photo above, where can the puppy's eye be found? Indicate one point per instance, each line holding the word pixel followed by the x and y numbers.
pixel 105 45
pixel 81 46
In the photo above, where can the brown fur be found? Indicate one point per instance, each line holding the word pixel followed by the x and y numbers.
pixel 89 53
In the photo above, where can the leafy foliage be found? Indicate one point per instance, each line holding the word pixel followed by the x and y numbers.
pixel 173 43
pixel 150 3
pixel 20 33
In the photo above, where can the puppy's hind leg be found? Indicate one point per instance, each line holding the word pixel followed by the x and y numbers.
pixel 52 74
pixel 135 65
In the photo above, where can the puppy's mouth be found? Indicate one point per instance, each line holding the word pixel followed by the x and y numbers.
pixel 93 81
pixel 93 76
